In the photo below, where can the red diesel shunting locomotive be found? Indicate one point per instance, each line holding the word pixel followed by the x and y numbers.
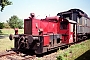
pixel 42 35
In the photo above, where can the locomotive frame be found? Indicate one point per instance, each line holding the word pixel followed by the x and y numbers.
pixel 42 35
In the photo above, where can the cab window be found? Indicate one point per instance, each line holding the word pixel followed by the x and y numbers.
pixel 63 25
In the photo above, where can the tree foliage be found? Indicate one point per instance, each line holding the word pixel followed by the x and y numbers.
pixel 6 25
pixel 4 3
pixel 1 25
pixel 15 22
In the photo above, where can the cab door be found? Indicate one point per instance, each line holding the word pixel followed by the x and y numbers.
pixel 72 32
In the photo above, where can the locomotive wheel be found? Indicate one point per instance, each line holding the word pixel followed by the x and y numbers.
pixel 30 39
pixel 21 42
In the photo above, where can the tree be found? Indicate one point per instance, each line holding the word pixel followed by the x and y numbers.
pixel 4 3
pixel 20 24
pixel 6 25
pixel 1 25
pixel 15 22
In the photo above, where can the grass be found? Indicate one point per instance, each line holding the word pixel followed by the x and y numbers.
pixel 6 44
pixel 10 31
pixel 75 52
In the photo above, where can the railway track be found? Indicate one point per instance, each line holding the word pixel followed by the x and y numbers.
pixel 12 55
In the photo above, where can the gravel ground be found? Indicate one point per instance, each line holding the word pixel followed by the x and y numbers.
pixel 51 56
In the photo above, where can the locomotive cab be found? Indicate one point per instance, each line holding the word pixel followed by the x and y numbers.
pixel 68 31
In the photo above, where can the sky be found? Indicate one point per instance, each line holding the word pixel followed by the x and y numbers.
pixel 42 8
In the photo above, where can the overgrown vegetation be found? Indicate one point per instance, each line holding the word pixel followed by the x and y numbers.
pixel 74 51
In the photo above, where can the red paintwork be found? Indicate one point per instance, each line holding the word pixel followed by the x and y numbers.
pixel 16 31
pixel 52 27
pixel 34 29
pixel 49 26
pixel 44 24
pixel 46 40
pixel 70 35
pixel 52 18
pixel 64 32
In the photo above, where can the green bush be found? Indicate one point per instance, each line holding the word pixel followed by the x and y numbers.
pixel 6 25
pixel 1 25
pixel 61 57
pixel 0 32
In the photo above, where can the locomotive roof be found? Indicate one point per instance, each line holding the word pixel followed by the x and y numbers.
pixel 71 11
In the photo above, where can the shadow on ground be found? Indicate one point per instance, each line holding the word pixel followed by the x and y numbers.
pixel 2 36
pixel 85 56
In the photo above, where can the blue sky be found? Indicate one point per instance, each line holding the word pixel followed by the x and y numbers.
pixel 41 8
